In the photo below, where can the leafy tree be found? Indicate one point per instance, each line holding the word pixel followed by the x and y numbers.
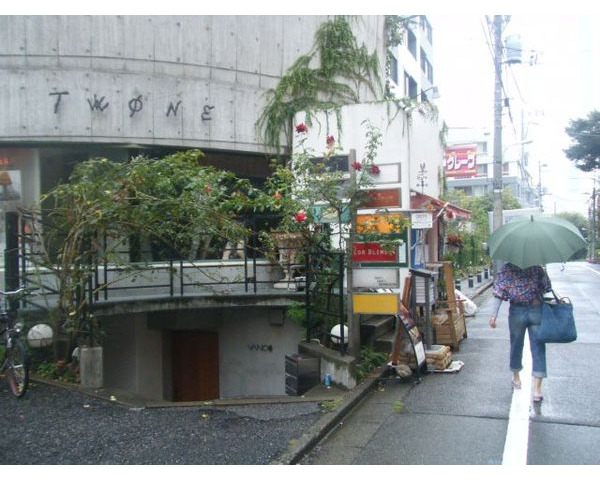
pixel 172 200
pixel 477 233
pixel 578 220
pixel 585 133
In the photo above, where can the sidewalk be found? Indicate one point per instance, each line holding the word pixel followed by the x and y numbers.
pixel 349 400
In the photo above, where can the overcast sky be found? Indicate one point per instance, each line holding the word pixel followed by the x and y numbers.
pixel 562 83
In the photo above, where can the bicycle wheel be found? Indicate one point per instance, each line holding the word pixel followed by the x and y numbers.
pixel 17 367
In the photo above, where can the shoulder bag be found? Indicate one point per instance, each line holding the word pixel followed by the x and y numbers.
pixel 558 323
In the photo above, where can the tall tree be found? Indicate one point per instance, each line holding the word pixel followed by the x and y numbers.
pixel 585 151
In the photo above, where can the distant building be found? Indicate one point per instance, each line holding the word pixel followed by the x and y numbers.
pixel 411 70
pixel 469 166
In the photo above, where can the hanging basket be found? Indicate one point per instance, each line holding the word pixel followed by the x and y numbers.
pixel 454 248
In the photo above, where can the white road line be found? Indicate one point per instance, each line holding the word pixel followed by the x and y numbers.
pixel 590 269
pixel 517 433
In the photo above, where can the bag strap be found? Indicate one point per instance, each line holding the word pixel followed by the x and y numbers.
pixel 561 299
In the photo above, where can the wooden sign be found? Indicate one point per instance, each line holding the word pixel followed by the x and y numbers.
pixel 376 278
pixel 376 303
pixel 372 252
pixel 391 197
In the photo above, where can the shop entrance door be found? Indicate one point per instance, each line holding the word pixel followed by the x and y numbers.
pixel 195 366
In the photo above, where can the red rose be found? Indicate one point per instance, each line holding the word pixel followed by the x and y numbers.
pixel 301 128
pixel 300 217
pixel 357 166
pixel 330 140
pixel 375 170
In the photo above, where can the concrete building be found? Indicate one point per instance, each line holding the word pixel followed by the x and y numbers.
pixel 411 69
pixel 77 87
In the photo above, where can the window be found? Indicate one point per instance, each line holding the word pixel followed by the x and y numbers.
pixel 426 67
pixel 394 69
pixel 412 43
pixel 427 28
pixel 410 86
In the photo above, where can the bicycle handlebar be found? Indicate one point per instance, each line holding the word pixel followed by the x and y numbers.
pixel 19 291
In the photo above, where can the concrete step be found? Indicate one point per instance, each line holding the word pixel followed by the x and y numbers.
pixel 374 327
pixel 385 342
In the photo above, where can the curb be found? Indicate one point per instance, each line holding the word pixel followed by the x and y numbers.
pixel 299 447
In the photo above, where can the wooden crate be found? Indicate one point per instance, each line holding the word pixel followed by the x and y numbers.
pixel 448 328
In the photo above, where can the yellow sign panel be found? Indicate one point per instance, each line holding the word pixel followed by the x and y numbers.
pixel 381 223
pixel 376 303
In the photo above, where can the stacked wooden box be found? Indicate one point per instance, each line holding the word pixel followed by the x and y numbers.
pixel 438 357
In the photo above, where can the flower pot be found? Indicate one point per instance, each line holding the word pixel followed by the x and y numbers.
pixel 453 248
pixel 289 245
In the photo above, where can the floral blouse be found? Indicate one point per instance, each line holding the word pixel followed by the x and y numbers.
pixel 522 286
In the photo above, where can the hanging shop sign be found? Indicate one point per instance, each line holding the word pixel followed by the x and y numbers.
pixel 376 278
pixel 420 220
pixel 376 303
pixel 461 161
pixel 384 198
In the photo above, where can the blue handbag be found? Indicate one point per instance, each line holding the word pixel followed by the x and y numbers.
pixel 558 323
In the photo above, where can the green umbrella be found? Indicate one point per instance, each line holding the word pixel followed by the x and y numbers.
pixel 536 241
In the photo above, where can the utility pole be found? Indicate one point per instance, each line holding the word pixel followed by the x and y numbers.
pixel 593 225
pixel 497 184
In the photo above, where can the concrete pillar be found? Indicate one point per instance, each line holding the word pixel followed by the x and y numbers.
pixel 90 367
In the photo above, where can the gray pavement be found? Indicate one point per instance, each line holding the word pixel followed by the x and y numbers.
pixel 463 418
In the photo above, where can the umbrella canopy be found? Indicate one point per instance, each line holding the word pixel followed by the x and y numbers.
pixel 536 241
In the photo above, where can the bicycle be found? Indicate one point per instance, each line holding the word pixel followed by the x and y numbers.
pixel 16 360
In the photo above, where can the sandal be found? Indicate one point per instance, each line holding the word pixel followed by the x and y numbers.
pixel 538 398
pixel 516 385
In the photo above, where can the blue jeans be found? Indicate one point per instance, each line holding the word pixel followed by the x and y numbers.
pixel 520 319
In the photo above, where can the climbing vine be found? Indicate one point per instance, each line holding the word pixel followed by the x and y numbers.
pixel 343 67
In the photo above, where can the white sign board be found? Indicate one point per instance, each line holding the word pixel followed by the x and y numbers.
pixel 376 278
pixel 421 220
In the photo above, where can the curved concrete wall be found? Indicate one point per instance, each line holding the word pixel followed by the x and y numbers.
pixel 190 81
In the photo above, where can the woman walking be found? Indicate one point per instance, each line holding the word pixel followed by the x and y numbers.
pixel 524 289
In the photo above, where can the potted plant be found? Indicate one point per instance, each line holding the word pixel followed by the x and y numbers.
pixel 454 243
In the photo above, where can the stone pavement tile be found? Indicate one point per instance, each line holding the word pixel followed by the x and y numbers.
pixel 332 455
pixel 411 439
pixel 559 444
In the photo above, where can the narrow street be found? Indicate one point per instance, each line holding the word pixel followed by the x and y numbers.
pixel 463 418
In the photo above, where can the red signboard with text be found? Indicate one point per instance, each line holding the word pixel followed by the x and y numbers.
pixel 372 252
pixel 461 161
